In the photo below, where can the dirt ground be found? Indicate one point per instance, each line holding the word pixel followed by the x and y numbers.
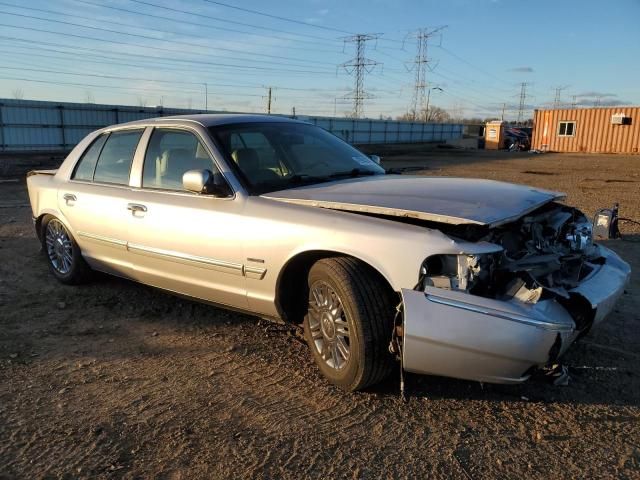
pixel 118 380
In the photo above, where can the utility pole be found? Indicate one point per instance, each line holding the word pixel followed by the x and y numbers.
pixel 523 98
pixel 206 97
pixel 426 110
pixel 268 100
pixel 420 64
pixel 598 101
pixel 556 99
pixel 504 106
pixel 358 66
pixel 574 103
pixel 293 112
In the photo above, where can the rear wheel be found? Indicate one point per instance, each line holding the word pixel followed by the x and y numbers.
pixel 62 252
pixel 349 321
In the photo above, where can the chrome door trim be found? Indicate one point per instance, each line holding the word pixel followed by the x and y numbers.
pixel 113 242
pixel 193 260
pixel 254 272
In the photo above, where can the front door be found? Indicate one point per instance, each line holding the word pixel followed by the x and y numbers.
pixel 181 241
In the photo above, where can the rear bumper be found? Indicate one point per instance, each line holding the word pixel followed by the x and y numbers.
pixel 455 334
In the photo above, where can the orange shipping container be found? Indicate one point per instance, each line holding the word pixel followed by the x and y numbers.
pixel 589 130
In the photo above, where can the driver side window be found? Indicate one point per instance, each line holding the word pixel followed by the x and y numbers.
pixel 169 155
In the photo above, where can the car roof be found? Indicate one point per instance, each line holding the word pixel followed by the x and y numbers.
pixel 211 120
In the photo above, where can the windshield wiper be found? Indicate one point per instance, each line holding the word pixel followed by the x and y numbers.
pixel 356 172
pixel 304 178
pixel 401 170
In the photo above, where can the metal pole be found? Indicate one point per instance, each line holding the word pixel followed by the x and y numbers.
pixel 2 145
pixel 269 102
pixel 426 113
pixel 63 136
pixel 206 96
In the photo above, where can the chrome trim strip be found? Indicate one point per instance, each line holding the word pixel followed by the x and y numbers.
pixel 202 262
pixel 498 314
pixel 99 238
pixel 254 272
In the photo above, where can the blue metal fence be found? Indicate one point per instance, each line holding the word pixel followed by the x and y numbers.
pixel 30 125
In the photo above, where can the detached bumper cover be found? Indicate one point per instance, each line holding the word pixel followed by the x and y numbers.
pixel 458 335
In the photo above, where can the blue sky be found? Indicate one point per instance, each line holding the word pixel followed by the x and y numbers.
pixel 163 52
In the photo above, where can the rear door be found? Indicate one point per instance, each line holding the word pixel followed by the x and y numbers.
pixel 183 241
pixel 95 200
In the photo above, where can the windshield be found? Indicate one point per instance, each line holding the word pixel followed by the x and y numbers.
pixel 276 156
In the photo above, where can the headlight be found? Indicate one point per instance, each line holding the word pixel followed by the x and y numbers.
pixel 457 272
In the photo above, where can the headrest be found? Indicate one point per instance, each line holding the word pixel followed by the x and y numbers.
pixel 247 159
pixel 178 154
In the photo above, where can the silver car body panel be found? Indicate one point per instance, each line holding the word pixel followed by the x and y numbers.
pixel 438 199
pixel 459 335
pixel 232 251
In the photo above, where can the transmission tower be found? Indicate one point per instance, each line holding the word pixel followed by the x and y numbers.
pixel 556 98
pixel 523 98
pixel 420 65
pixel 358 66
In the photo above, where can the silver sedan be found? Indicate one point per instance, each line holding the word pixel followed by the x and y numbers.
pixel 473 279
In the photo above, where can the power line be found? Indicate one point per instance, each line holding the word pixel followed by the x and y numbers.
pixel 358 66
pixel 260 27
pixel 475 67
pixel 203 25
pixel 156 39
pixel 284 19
pixel 160 49
pixel 145 59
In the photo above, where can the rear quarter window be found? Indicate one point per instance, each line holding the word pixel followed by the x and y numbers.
pixel 87 164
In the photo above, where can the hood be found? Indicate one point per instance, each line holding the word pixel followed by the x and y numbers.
pixel 438 199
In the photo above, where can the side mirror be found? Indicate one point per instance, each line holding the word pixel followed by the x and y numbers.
pixel 375 158
pixel 203 181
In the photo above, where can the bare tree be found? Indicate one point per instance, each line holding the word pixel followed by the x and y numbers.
pixel 436 115
pixel 433 115
pixel 17 93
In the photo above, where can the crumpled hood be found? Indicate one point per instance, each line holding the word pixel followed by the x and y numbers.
pixel 439 199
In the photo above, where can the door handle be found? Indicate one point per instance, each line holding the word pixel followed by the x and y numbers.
pixel 136 207
pixel 69 198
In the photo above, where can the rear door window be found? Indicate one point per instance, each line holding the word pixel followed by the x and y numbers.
pixel 114 164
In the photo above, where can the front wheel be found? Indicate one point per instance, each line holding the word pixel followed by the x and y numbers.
pixel 349 322
pixel 62 252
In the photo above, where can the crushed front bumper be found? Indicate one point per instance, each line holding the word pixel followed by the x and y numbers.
pixel 455 334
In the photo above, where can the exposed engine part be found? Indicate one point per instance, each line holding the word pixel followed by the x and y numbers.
pixel 544 254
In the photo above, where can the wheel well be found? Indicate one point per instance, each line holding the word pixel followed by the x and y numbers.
pixel 38 225
pixel 292 288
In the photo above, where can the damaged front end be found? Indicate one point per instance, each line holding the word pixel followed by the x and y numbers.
pixel 497 315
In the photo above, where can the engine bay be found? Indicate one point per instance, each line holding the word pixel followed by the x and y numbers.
pixel 543 255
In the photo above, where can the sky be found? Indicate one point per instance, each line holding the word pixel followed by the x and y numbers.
pixel 226 54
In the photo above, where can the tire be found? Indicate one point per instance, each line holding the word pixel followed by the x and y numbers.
pixel 62 252
pixel 349 304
